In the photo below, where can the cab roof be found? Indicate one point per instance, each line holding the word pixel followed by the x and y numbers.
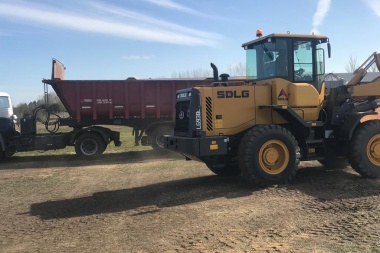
pixel 3 94
pixel 287 35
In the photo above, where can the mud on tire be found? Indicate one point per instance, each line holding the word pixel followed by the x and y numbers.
pixel 364 149
pixel 267 155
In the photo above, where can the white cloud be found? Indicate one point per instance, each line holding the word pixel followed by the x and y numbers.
pixel 169 4
pixel 374 5
pixel 146 30
pixel 139 57
pixel 322 9
pixel 150 21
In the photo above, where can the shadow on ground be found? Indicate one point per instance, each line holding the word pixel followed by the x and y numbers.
pixel 314 181
pixel 46 161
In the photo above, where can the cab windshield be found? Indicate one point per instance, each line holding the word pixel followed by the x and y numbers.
pixel 267 59
pixel 4 102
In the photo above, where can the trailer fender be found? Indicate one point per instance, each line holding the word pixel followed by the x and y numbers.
pixel 353 120
pixel 105 133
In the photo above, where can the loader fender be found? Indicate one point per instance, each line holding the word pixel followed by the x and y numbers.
pixel 352 121
pixel 371 116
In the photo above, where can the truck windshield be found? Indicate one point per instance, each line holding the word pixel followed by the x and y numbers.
pixel 267 59
pixel 4 102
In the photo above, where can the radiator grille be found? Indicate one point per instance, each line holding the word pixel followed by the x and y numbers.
pixel 209 113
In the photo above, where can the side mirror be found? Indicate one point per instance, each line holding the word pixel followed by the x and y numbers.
pixel 14 118
pixel 329 49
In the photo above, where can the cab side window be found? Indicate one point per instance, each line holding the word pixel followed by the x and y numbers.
pixel 303 61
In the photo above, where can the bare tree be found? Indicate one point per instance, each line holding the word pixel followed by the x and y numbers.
pixel 351 65
pixel 237 69
pixel 193 73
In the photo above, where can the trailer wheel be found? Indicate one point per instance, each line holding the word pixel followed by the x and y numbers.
pixel 156 137
pixel 267 155
pixel 89 145
pixel 230 170
pixel 364 149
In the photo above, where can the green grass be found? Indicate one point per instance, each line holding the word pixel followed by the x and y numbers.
pixel 126 137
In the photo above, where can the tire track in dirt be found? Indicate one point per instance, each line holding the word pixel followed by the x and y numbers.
pixel 341 219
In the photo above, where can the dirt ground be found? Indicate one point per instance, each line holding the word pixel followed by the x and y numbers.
pixel 142 202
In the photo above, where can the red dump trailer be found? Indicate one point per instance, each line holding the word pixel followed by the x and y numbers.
pixel 147 105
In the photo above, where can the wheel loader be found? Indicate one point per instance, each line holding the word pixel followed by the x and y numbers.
pixel 262 126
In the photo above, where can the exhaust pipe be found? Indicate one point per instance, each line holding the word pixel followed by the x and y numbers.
pixel 215 70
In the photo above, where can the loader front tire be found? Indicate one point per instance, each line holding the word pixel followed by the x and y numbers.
pixel 364 149
pixel 267 155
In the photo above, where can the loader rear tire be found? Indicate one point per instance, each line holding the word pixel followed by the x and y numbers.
pixel 90 145
pixel 364 149
pixel 230 170
pixel 268 155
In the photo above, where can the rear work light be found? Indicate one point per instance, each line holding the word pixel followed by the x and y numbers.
pixel 199 134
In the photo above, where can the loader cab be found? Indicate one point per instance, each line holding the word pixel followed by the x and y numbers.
pixel 296 58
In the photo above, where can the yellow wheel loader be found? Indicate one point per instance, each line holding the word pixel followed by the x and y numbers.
pixel 262 126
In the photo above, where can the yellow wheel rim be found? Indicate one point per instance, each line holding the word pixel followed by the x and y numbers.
pixel 273 157
pixel 373 150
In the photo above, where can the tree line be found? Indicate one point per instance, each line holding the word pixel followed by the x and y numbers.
pixel 52 101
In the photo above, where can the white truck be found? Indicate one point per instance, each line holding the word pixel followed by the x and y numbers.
pixel 6 108
pixel 7 122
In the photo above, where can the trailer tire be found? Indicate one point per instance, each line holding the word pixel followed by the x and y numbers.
pixel 268 155
pixel 230 170
pixel 156 137
pixel 90 145
pixel 364 149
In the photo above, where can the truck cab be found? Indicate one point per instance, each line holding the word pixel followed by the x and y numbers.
pixel 6 108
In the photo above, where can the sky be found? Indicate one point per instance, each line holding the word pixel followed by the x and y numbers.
pixel 117 39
